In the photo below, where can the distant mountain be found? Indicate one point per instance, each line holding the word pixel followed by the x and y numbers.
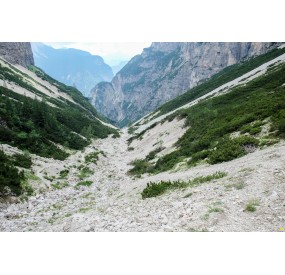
pixel 118 67
pixel 72 67
pixel 165 71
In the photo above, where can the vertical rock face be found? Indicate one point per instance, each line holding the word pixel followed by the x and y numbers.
pixel 17 53
pixel 164 71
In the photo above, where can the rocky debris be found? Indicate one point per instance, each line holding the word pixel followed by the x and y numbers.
pixel 113 202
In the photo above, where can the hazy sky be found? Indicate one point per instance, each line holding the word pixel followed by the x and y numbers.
pixel 112 53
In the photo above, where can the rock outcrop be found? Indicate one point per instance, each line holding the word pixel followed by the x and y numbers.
pixel 164 71
pixel 17 53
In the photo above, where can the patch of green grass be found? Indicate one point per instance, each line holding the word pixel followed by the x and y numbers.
pixel 251 205
pixel 51 220
pixel 31 176
pixel 85 172
pixel 215 209
pixel 87 195
pixel 23 160
pixel 92 157
pixel 59 185
pixel 155 189
pixel 187 195
pixel 85 183
pixel 229 149
pixel 238 186
pixel 63 174
pixel 140 167
pixel 27 188
pixel 131 130
pixel 84 210
pixel 152 154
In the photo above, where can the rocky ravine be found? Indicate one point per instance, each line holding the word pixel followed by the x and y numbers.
pixel 113 202
pixel 164 71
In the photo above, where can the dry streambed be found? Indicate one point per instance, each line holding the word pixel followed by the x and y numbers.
pixel 250 198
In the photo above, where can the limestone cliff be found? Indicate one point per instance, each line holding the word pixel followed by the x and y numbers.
pixel 17 53
pixel 164 71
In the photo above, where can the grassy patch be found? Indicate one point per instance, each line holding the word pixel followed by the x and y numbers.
pixel 251 205
pixel 155 189
pixel 85 183
pixel 59 185
pixel 140 167
pixel 215 209
pixel 84 210
pixel 92 157
pixel 63 174
pixel 188 195
pixel 85 172
pixel 23 160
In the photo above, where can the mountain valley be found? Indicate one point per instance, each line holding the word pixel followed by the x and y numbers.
pixel 210 159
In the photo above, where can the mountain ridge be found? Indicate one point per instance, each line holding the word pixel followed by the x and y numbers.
pixel 164 71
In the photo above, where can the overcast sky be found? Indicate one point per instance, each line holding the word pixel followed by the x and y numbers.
pixel 113 53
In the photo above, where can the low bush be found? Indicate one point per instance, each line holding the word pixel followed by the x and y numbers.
pixel 10 177
pixel 140 167
pixel 84 183
pixel 229 149
pixel 63 174
pixel 92 157
pixel 155 189
pixel 251 205
pixel 85 172
pixel 22 160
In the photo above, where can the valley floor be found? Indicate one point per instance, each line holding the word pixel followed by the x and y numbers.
pixel 113 202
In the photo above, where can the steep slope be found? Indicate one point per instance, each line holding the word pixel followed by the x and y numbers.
pixel 221 122
pixel 40 116
pixel 164 71
pixel 72 67
pixel 98 189
pixel 117 68
pixel 17 53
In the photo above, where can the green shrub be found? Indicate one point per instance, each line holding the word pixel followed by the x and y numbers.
pixel 85 172
pixel 226 150
pixel 22 160
pixel 10 177
pixel 198 156
pixel 63 174
pixel 92 157
pixel 85 183
pixel 155 189
pixel 251 205
pixel 140 167
pixel 153 153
